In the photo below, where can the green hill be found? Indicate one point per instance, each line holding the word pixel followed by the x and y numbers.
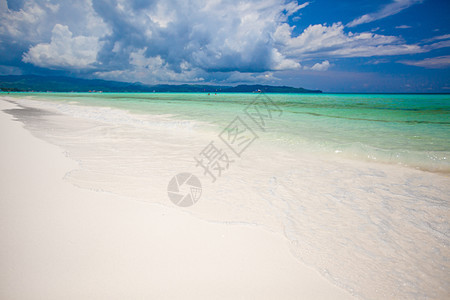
pixel 28 83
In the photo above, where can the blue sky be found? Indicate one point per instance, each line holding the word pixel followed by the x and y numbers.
pixel 335 46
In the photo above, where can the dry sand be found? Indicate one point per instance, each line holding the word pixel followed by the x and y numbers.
pixel 62 242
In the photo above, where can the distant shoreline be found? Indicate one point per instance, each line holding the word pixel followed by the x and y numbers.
pixel 26 83
pixel 126 92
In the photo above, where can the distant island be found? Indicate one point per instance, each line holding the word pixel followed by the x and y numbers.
pixel 35 83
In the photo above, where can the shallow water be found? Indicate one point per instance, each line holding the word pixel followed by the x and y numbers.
pixel 411 130
pixel 335 174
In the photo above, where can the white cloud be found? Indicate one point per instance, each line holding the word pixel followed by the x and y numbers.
pixel 403 27
pixel 177 40
pixel 34 22
pixel 440 62
pixel 215 36
pixel 437 45
pixel 3 5
pixel 331 41
pixel 437 42
pixel 239 36
pixel 293 7
pixel 388 10
pixel 279 62
pixel 323 66
pixel 211 36
pixel 438 38
pixel 64 50
pixel 378 61
pixel 152 70
pixel 238 77
pixel 24 24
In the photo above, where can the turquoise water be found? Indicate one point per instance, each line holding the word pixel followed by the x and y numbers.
pixel 377 229
pixel 408 129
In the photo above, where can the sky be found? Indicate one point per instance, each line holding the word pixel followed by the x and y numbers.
pixel 335 46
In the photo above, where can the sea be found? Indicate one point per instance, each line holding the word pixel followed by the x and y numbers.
pixel 358 184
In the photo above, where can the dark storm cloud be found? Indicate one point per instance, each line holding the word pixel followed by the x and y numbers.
pixel 174 40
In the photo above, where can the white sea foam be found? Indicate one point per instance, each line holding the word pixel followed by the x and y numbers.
pixel 380 231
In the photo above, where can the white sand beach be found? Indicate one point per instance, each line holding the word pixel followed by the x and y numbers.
pixel 248 149
pixel 63 242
